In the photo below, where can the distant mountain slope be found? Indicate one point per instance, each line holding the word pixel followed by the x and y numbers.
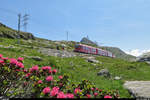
pixel 7 32
pixel 119 53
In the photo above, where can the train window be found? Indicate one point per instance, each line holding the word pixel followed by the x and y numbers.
pixel 76 46
pixel 84 48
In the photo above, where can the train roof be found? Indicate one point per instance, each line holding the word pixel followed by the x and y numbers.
pixel 90 46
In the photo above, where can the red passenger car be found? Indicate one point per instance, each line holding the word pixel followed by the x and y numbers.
pixel 92 50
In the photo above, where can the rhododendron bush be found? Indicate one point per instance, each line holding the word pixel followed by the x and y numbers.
pixel 43 82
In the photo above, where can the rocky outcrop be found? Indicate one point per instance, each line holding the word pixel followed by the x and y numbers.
pixel 57 53
pixel 104 72
pixel 145 57
pixel 87 41
pixel 138 89
pixel 7 32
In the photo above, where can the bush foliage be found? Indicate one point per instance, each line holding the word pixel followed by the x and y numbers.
pixel 44 82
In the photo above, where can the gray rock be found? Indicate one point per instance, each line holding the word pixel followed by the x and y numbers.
pixel 37 58
pixel 138 89
pixel 92 60
pixel 104 72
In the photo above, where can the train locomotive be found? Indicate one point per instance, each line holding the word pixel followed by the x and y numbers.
pixel 92 50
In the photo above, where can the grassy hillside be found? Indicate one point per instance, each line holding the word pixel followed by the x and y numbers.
pixel 78 67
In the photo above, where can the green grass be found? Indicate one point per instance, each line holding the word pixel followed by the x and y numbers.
pixel 78 68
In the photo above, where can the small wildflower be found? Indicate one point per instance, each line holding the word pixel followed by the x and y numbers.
pixel 40 81
pixel 107 96
pixel 20 59
pixel 88 95
pixel 46 90
pixel 61 95
pixel 60 77
pixel 49 78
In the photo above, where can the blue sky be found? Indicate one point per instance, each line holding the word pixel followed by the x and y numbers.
pixel 118 23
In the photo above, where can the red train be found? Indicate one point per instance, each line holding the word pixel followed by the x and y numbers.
pixel 91 50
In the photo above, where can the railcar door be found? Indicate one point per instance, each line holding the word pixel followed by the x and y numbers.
pixel 96 51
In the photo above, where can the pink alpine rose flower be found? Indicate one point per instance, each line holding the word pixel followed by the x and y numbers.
pixel 50 72
pixel 107 96
pixel 20 65
pixel 46 90
pixel 54 71
pixel 5 58
pixel 60 77
pixel 1 61
pixel 34 68
pixel 77 91
pixel 27 75
pixel 40 81
pixel 49 78
pixel 92 89
pixel 1 55
pixel 69 95
pixel 88 95
pixel 95 94
pixel 46 68
pixel 96 89
pixel 54 91
pixel 13 61
pixel 20 59
pixel 17 70
pixel 61 95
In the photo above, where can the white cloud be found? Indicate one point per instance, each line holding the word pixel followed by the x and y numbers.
pixel 137 52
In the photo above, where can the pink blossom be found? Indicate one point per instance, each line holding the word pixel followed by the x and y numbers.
pixel 28 74
pixel 34 68
pixel 54 91
pixel 1 55
pixel 61 95
pixel 100 90
pixel 97 89
pixel 92 89
pixel 60 77
pixel 77 91
pixel 5 58
pixel 1 61
pixel 40 81
pixel 18 70
pixel 54 71
pixel 69 95
pixel 25 70
pixel 60 84
pixel 50 71
pixel 46 68
pixel 46 90
pixel 13 61
pixel 107 96
pixel 19 64
pixel 20 59
pixel 95 94
pixel 49 78
pixel 88 95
